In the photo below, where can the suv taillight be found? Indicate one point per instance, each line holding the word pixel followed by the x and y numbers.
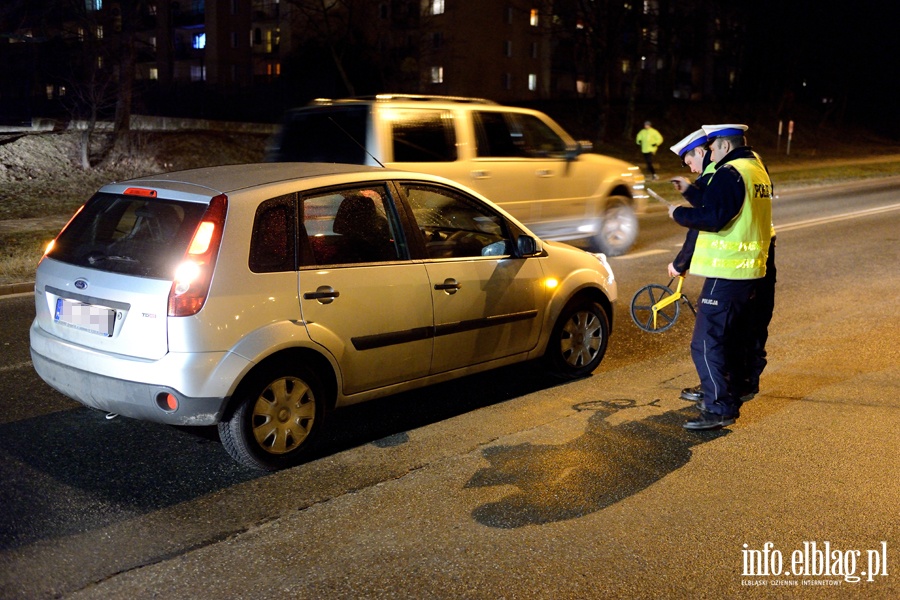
pixel 194 274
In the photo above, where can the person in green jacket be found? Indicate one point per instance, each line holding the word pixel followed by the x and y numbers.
pixel 649 140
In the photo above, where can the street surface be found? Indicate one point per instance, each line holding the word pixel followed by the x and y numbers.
pixel 506 484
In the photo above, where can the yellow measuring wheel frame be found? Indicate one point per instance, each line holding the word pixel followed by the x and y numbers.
pixel 655 308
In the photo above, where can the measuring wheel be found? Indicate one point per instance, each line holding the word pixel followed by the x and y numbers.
pixel 649 313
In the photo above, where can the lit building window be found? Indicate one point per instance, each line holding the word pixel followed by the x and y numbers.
pixel 80 34
pixel 99 62
pixel 533 19
pixel 62 91
pixel 49 90
pixel 437 74
pixel 151 10
pixel 153 43
pixel 199 42
pixel 93 4
pixel 99 32
pixel 432 7
pixel 626 66
pixel 532 82
pixel 198 73
pixel 154 73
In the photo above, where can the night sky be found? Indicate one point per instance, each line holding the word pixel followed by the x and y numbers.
pixel 846 52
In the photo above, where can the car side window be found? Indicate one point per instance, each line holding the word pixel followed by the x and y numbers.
pixel 349 226
pixel 495 136
pixel 423 136
pixel 274 240
pixel 455 225
pixel 540 139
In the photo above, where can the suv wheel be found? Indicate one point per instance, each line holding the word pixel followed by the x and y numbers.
pixel 278 413
pixel 578 341
pixel 619 227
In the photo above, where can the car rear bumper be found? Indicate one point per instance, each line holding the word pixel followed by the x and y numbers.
pixel 127 398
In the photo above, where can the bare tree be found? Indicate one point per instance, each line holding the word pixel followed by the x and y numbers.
pixel 331 24
pixel 87 100
pixel 603 23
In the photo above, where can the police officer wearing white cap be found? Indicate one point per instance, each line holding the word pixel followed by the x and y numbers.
pixel 735 224
pixel 693 154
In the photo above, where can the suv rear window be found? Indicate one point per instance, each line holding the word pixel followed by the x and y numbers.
pixel 335 135
pixel 130 235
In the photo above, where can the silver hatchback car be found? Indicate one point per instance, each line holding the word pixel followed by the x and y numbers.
pixel 260 297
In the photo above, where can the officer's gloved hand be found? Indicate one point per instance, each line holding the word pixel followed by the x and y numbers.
pixel 681 184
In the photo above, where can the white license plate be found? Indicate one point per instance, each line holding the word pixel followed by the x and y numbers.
pixel 87 317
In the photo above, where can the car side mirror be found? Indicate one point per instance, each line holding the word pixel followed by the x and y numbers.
pixel 578 148
pixel 527 246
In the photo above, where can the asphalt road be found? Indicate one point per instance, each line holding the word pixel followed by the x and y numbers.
pixel 505 485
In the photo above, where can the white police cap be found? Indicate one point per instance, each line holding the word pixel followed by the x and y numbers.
pixel 693 140
pixel 727 130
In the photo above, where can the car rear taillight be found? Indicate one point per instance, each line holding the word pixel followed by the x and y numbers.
pixel 194 275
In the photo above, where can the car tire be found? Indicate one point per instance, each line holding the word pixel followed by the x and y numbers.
pixel 618 227
pixel 278 414
pixel 578 341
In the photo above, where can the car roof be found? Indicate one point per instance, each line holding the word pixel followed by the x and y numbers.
pixel 200 185
pixel 400 98
pixel 229 178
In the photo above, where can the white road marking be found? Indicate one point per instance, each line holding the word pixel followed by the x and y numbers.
pixel 16 367
pixel 836 218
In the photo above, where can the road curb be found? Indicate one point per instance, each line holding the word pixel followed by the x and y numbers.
pixel 8 289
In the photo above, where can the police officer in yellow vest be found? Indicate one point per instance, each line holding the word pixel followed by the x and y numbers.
pixel 735 224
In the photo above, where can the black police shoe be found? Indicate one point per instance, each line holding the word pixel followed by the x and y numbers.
pixel 748 395
pixel 692 394
pixel 708 420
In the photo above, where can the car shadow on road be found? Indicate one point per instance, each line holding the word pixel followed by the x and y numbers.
pixel 604 465
pixel 75 470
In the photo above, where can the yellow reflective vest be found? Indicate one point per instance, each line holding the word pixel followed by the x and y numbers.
pixel 740 249
pixel 649 140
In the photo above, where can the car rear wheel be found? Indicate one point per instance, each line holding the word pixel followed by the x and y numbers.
pixel 578 341
pixel 618 229
pixel 278 415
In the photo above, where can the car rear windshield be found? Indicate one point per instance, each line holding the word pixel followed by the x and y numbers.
pixel 334 135
pixel 130 235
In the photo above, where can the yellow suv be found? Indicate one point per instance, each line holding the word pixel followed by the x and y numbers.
pixel 518 158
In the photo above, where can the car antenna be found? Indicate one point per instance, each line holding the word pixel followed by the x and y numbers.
pixel 355 141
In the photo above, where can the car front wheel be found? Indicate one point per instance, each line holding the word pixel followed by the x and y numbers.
pixel 618 229
pixel 578 341
pixel 278 415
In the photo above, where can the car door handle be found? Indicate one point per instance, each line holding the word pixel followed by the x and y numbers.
pixel 481 174
pixel 325 294
pixel 450 285
pixel 544 173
